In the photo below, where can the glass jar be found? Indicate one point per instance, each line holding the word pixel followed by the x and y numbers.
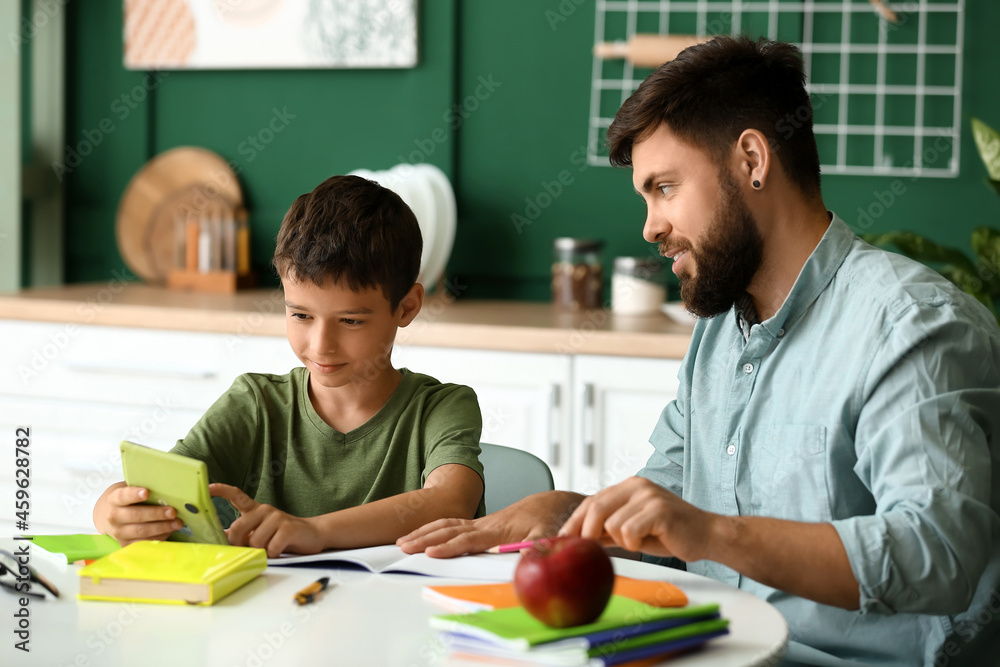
pixel 638 286
pixel 577 278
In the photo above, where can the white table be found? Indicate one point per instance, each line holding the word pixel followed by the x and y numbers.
pixel 378 620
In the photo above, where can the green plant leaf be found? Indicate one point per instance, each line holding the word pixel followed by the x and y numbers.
pixel 922 249
pixel 970 284
pixel 988 144
pixel 995 184
pixel 986 244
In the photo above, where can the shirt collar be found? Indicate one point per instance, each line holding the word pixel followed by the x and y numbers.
pixel 746 314
pixel 819 269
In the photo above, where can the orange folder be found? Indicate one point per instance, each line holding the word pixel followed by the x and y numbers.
pixel 499 596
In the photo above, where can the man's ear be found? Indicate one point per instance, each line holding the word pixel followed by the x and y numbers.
pixel 410 304
pixel 753 157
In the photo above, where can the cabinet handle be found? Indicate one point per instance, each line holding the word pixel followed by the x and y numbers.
pixel 555 398
pixel 123 368
pixel 586 425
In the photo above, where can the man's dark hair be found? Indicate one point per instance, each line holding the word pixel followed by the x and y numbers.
pixel 714 91
pixel 353 230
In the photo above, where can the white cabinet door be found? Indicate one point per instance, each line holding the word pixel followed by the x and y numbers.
pixel 524 397
pixel 73 455
pixel 616 402
pixel 83 389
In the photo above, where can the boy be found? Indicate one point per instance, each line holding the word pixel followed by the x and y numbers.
pixel 346 451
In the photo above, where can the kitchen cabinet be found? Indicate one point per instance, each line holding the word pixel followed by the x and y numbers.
pixel 617 403
pixel 83 388
pixel 589 417
pixel 524 397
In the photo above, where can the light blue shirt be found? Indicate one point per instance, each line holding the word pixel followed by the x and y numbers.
pixel 870 400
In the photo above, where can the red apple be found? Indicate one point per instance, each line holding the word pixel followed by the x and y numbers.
pixel 564 581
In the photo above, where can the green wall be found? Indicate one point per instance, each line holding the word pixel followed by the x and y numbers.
pixel 332 121
pixel 505 92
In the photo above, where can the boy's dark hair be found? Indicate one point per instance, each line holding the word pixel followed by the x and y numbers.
pixel 714 91
pixel 353 230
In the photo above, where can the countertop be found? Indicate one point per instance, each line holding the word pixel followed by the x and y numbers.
pixel 443 321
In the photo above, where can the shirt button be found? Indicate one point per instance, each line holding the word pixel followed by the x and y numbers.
pixel 748 369
pixel 781 332
pixel 731 449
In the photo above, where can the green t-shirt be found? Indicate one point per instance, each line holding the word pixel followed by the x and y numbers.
pixel 265 437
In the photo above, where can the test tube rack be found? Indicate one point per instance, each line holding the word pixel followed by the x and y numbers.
pixel 213 254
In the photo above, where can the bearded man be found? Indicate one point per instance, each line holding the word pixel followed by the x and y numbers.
pixel 833 447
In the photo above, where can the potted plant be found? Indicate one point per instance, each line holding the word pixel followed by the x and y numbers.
pixel 979 277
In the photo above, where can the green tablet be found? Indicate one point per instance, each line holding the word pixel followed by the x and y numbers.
pixel 180 482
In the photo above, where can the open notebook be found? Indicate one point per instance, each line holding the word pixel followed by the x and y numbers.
pixel 390 558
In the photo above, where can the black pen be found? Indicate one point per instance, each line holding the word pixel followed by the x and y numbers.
pixel 309 593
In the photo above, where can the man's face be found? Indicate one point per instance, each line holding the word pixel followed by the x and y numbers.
pixel 697 214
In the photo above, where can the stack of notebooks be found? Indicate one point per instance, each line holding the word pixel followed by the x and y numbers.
pixel 644 622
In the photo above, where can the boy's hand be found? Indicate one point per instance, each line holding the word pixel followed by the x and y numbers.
pixel 446 538
pixel 119 514
pixel 538 515
pixel 267 527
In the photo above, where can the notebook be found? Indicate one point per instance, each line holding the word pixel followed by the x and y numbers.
pixel 71 548
pixel 514 628
pixel 615 649
pixel 171 572
pixel 390 558
pixel 478 597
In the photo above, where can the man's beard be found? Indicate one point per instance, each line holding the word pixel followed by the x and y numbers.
pixel 730 254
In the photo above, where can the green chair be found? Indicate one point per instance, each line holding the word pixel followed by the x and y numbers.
pixel 512 474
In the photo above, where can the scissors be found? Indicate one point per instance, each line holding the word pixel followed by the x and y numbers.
pixel 12 577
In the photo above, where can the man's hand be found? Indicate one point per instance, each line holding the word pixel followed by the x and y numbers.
pixel 536 516
pixel 640 515
pixel 266 527
pixel 118 513
pixel 806 559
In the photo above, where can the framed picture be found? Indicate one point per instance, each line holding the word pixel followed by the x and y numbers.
pixel 270 34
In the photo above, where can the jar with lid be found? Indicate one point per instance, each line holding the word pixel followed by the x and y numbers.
pixel 577 278
pixel 638 286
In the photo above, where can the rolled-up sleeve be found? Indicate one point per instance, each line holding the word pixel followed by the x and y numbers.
pixel 930 415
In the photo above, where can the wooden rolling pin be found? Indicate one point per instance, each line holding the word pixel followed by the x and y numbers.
pixel 647 50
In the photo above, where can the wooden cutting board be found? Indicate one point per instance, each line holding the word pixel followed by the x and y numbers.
pixel 179 183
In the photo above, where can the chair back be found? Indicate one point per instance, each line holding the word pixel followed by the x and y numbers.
pixel 512 474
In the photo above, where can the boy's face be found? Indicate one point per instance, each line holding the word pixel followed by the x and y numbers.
pixel 342 336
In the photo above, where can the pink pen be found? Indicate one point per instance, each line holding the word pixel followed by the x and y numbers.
pixel 506 548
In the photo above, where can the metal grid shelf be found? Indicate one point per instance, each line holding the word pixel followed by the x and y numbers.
pixel 886 96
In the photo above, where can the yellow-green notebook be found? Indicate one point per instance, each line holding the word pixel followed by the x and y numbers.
pixel 71 548
pixel 171 572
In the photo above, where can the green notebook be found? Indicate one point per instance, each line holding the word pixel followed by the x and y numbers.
pixel 515 628
pixel 71 548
